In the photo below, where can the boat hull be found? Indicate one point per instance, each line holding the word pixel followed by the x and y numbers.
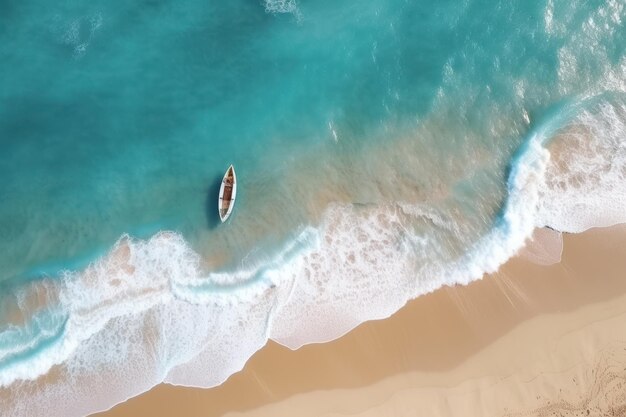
pixel 228 192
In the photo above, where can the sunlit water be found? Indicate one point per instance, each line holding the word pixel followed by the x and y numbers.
pixel 383 149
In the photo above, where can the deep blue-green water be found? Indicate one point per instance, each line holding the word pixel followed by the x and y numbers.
pixel 383 149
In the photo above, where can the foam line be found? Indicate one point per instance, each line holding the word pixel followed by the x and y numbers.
pixel 147 312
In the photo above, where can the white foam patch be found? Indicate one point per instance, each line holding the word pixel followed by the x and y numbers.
pixel 548 17
pixel 370 264
pixel 77 33
pixel 131 279
pixel 281 6
pixel 147 313
pixel 586 184
pixel 143 314
pixel 348 276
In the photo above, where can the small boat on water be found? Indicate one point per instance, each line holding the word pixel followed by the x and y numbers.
pixel 228 191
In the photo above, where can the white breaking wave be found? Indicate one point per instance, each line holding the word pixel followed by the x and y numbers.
pixel 586 186
pixel 147 313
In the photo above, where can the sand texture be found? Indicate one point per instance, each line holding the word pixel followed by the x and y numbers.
pixel 530 340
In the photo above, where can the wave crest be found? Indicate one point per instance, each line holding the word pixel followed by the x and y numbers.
pixel 148 312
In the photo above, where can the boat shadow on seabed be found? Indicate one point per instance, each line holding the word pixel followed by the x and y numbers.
pixel 212 194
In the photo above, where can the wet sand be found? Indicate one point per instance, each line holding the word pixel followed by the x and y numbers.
pixel 529 340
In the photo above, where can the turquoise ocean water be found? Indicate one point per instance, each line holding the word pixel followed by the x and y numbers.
pixel 383 149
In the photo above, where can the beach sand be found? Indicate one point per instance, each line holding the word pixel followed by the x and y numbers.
pixel 528 340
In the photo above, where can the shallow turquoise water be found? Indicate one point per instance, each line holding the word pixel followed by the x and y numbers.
pixel 118 117
pixel 388 135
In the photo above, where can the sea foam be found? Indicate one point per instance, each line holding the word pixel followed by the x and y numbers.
pixel 148 312
pixel 586 184
pixel 281 6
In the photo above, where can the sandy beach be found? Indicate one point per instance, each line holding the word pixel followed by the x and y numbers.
pixel 529 340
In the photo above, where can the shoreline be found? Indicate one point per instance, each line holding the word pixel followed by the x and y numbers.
pixel 478 338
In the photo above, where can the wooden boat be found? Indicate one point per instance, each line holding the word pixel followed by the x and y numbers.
pixel 228 191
